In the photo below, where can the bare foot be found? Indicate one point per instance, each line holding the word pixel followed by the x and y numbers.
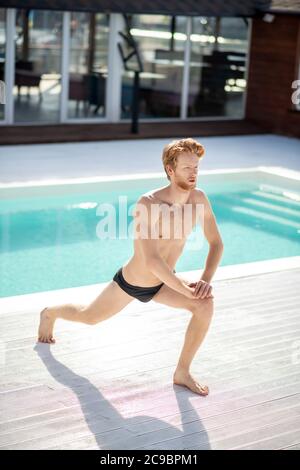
pixel 183 377
pixel 46 327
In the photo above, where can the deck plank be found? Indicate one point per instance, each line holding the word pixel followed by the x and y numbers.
pixel 110 386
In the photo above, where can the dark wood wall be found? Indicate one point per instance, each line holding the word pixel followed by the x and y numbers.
pixel 274 65
pixel 31 134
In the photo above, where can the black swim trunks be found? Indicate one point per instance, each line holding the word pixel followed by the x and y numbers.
pixel 144 294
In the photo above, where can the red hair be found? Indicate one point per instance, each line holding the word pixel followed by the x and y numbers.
pixel 175 148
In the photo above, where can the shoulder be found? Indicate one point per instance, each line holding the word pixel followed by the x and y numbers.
pixel 145 208
pixel 149 198
pixel 199 195
pixel 145 199
pixel 202 198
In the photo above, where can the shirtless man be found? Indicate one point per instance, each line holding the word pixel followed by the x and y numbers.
pixel 150 273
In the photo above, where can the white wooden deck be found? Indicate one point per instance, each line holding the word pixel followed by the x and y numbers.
pixel 109 386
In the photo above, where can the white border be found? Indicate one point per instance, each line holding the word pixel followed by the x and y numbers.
pixel 65 66
pixel 115 67
pixel 10 65
pixel 247 65
pixel 186 71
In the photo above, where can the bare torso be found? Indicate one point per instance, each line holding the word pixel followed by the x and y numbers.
pixel 170 243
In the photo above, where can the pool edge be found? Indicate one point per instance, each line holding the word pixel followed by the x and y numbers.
pixel 37 300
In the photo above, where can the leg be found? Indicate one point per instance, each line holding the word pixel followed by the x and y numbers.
pixel 202 310
pixel 109 302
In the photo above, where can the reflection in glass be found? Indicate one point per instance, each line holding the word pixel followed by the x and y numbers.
pixel 38 65
pixel 217 66
pixel 161 41
pixel 88 64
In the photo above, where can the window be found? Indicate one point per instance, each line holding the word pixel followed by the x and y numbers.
pixel 217 67
pixel 37 65
pixel 161 42
pixel 88 64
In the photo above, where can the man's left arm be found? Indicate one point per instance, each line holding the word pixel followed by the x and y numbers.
pixel 212 235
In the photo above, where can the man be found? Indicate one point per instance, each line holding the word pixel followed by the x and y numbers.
pixel 149 274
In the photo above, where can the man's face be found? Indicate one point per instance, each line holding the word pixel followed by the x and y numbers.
pixel 186 171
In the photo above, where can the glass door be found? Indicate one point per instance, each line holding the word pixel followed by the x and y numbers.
pixel 88 65
pixel 37 81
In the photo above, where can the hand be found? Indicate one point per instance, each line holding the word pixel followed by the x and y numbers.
pixel 189 291
pixel 202 289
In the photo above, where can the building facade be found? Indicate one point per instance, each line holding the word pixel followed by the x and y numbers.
pixel 212 70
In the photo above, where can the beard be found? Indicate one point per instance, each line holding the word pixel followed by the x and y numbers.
pixel 187 186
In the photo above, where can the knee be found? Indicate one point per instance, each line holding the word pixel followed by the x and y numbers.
pixel 92 321
pixel 203 307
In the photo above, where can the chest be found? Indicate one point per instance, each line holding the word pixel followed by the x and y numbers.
pixel 176 223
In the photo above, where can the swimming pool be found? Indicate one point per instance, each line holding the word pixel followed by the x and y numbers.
pixel 49 231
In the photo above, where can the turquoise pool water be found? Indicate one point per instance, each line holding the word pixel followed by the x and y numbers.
pixel 51 242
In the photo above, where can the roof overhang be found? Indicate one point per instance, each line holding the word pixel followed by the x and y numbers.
pixel 245 8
